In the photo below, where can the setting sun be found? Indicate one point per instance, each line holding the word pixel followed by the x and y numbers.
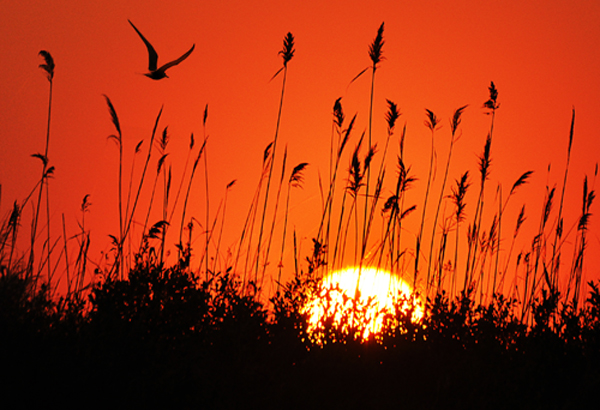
pixel 364 295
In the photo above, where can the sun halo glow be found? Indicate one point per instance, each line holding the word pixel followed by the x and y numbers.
pixel 378 293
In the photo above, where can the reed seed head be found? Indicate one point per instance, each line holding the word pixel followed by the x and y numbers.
pixel 48 67
pixel 114 117
pixel 492 102
pixel 376 48
pixel 455 122
pixel 392 115
pixel 523 179
pixel 267 153
pixel 288 49
pixel 338 113
pixel 485 160
pixel 85 204
pixel 297 176
pixel 432 120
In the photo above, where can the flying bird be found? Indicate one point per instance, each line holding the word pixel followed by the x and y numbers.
pixel 160 72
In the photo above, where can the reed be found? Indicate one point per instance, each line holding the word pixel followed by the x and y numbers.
pixel 218 247
pixel 484 170
pixel 555 260
pixel 125 221
pixel 454 124
pixel 187 196
pixel 161 146
pixel 323 233
pixel 376 56
pixel 249 224
pixel 575 277
pixel 272 229
pixel 118 243
pixel 431 122
pixel 206 188
pixel 287 53
pixel 295 180
pixel 458 195
pixel 48 66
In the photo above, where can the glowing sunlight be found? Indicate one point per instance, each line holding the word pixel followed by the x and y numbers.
pixel 377 294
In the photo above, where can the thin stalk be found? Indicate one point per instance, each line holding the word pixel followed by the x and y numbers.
pixel 64 229
pixel 497 247
pixel 129 220
pixel 458 197
pixel 559 227
pixel 206 187
pixel 287 53
pixel 484 164
pixel 48 67
pixel 520 219
pixel 326 217
pixel 187 194
pixel 295 181
pixel 181 182
pixel 431 122
pixel 376 55
pixel 454 123
pixel 249 223
pixel 270 238
pixel 229 185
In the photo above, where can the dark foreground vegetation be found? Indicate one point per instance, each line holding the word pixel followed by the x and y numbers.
pixel 136 331
pixel 162 337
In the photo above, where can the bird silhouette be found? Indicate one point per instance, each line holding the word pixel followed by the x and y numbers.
pixel 160 72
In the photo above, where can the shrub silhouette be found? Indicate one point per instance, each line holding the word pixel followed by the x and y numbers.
pixel 152 303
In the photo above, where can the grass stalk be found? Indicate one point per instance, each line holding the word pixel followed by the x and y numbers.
pixel 272 230
pixel 484 169
pixel 287 53
pixel 206 187
pixel 119 140
pixel 218 249
pixel 248 229
pixel 295 181
pixel 432 123
pixel 48 67
pixel 376 55
pixel 555 261
pixel 458 197
pixel 187 195
pixel 454 124
pixel 129 218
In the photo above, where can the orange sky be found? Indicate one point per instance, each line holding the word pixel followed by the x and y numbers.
pixel 542 55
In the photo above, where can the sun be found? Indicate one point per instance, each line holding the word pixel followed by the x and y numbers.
pixel 359 297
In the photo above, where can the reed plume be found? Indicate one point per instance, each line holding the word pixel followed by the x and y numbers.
pixel 555 261
pixel 491 105
pixel 431 122
pixel 376 56
pixel 48 67
pixel 295 181
pixel 287 52
pixel 454 124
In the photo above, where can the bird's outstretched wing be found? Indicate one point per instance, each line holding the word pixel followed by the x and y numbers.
pixel 166 66
pixel 152 55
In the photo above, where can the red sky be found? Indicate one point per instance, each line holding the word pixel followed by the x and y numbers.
pixel 542 56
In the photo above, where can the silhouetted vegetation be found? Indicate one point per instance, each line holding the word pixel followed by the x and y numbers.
pixel 141 331
pixel 163 336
